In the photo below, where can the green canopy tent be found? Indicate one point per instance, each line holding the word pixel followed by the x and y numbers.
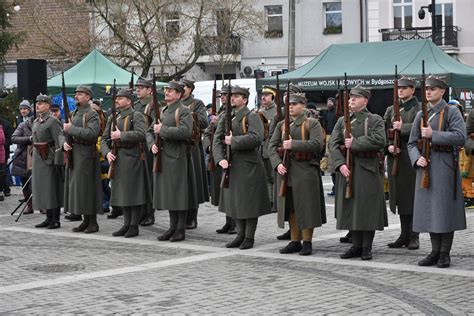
pixel 373 65
pixel 96 71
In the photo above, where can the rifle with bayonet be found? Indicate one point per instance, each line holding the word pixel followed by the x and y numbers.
pixel 228 130
pixel 347 134
pixel 211 165
pixel 396 118
pixel 113 126
pixel 279 115
pixel 156 106
pixel 286 152
pixel 67 118
pixel 425 142
pixel 339 100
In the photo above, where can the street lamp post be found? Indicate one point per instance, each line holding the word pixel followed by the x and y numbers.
pixel 432 9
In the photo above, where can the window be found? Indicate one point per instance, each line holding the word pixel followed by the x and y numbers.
pixel 172 24
pixel 274 21
pixel 402 14
pixel 332 18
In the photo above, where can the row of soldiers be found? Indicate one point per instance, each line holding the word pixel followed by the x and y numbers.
pixel 254 166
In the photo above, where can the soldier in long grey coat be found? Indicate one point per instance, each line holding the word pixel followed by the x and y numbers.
pixel 130 182
pixel 304 199
pixel 439 209
pixel 402 185
pixel 365 211
pixel 216 174
pixel 144 105
pixel 83 187
pixel 172 186
pixel 198 110
pixel 247 197
pixel 47 175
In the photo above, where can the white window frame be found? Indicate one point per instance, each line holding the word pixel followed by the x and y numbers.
pixel 331 12
pixel 404 4
pixel 274 14
pixel 172 20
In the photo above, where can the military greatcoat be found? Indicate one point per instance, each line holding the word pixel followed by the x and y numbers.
pixel 402 186
pixel 172 188
pixel 366 209
pixel 304 176
pixel 435 209
pixel 130 184
pixel 247 195
pixel 216 174
pixel 47 175
pixel 83 187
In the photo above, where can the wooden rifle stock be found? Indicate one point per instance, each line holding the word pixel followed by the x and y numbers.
pixel 425 151
pixel 347 134
pixel 338 100
pixel 211 165
pixel 286 152
pixel 157 163
pixel 67 118
pixel 396 133
pixel 111 171
pixel 228 129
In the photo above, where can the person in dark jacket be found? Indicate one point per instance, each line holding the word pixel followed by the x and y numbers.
pixel 8 131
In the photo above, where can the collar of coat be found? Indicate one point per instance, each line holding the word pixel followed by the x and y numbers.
pixel 409 104
pixel 42 117
pixel 188 100
pixel 438 107
pixel 361 115
pixel 125 112
pixel 271 106
pixel 173 106
pixel 82 109
pixel 145 101
pixel 300 119
pixel 239 115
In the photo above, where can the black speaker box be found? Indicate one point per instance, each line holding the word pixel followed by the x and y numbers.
pixel 31 78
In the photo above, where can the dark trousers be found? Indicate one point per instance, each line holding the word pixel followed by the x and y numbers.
pixel 178 220
pixel 441 242
pixel 247 227
pixel 131 215
pixel 3 177
pixel 406 223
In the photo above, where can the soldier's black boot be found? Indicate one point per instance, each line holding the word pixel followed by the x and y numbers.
pixel 402 241
pixel 292 247
pixel 82 227
pixel 93 226
pixel 191 222
pixel 430 260
pixel 121 231
pixel 116 212
pixel 247 243
pixel 149 219
pixel 173 225
pixel 353 252
pixel 180 234
pixel 285 236
pixel 347 238
pixel 307 248
pixel 414 241
pixel 232 230
pixel 366 253
pixel 49 218
pixel 132 231
pixel 224 229
pixel 238 240
pixel 55 223
pixel 444 260
pixel 73 217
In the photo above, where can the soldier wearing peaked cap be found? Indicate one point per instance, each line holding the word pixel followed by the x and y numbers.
pixel 364 212
pixel 304 200
pixel 200 122
pixel 47 177
pixel 269 112
pixel 130 184
pixel 439 209
pixel 83 187
pixel 216 174
pixel 144 105
pixel 402 185
pixel 247 174
pixel 174 184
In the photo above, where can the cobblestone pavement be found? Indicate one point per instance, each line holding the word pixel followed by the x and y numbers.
pixel 44 271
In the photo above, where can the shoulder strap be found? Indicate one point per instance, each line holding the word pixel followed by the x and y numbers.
pixel 305 129
pixel 176 117
pixel 192 105
pixel 84 119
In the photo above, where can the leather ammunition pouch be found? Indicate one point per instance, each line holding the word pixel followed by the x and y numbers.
pixel 196 133
pixel 120 144
pixel 297 155
pixel 441 148
pixel 43 149
pixel 84 143
pixel 366 154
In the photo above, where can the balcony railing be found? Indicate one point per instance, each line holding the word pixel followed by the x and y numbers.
pixel 444 36
pixel 216 45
